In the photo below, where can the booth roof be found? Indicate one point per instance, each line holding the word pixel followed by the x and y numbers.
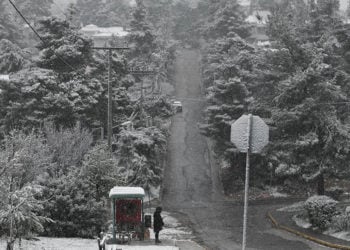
pixel 127 192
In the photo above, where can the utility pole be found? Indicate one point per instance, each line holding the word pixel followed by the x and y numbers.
pixel 109 109
pixel 139 71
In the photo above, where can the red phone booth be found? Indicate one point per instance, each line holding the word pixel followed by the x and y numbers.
pixel 127 208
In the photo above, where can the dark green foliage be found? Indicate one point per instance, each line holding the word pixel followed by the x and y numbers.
pixel 100 171
pixel 24 158
pixel 8 28
pixel 62 47
pixel 11 57
pixel 299 85
pixel 140 155
pixel 311 127
pixel 158 107
pixel 142 37
pixel 320 210
pixel 73 207
pixel 34 9
pixel 109 13
pixel 223 19
pixel 227 92
pixel 68 147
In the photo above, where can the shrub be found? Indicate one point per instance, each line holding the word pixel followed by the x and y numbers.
pixel 71 203
pixel 341 222
pixel 320 210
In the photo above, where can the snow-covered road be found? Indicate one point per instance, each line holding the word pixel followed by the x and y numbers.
pixel 192 188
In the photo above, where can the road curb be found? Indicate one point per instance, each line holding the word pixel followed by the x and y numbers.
pixel 303 235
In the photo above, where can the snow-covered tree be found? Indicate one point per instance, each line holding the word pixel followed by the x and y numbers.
pixel 63 49
pixel 223 19
pixel 139 155
pixel 23 160
pixel 312 131
pixel 110 13
pixel 11 57
pixel 8 27
pixel 68 147
pixel 99 169
pixel 34 9
pixel 142 37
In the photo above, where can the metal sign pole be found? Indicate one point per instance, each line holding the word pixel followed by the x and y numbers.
pixel 246 188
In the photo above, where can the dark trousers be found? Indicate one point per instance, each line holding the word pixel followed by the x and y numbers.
pixel 157 235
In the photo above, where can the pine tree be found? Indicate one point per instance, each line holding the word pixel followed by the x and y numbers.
pixel 63 47
pixel 11 57
pixel 72 15
pixel 310 125
pixel 142 38
pixel 9 29
pixel 224 18
pixel 140 155
pixel 33 10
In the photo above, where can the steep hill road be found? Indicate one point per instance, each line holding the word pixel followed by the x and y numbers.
pixel 192 188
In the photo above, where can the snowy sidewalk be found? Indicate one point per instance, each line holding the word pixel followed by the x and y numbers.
pixel 174 236
pixel 152 247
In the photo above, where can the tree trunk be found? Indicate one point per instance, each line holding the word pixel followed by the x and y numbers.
pixel 320 185
pixel 10 244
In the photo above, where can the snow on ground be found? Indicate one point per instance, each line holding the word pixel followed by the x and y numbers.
pixel 274 193
pixel 296 207
pixel 46 243
pixel 340 235
pixel 172 230
pixel 124 247
pixel 301 222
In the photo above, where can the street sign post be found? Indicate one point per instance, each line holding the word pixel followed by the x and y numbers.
pixel 250 134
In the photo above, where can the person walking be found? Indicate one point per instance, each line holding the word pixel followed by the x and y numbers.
pixel 157 223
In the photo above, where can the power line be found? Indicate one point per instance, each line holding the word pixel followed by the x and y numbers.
pixel 38 35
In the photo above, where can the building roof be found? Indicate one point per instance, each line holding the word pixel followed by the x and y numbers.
pixel 5 78
pixel 96 31
pixel 259 17
pixel 126 192
pixel 244 2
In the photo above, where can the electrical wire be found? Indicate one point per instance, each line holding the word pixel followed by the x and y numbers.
pixel 38 35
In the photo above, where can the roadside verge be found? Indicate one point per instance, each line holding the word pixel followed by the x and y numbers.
pixel 277 225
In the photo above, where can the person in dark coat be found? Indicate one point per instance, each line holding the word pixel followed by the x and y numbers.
pixel 157 223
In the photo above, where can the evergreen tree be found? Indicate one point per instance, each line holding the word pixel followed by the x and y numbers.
pixel 140 156
pixel 222 19
pixel 110 13
pixel 72 15
pixel 142 38
pixel 99 170
pixel 35 9
pixel 11 57
pixel 63 47
pixel 312 135
pixel 9 29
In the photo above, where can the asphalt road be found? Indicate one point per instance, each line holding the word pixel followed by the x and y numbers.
pixel 191 188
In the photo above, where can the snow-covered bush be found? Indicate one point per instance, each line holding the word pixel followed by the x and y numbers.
pixel 341 222
pixel 320 210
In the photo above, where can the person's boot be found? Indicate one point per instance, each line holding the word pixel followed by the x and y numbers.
pixel 158 241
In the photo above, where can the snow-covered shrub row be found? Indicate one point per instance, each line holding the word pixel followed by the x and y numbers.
pixel 320 210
